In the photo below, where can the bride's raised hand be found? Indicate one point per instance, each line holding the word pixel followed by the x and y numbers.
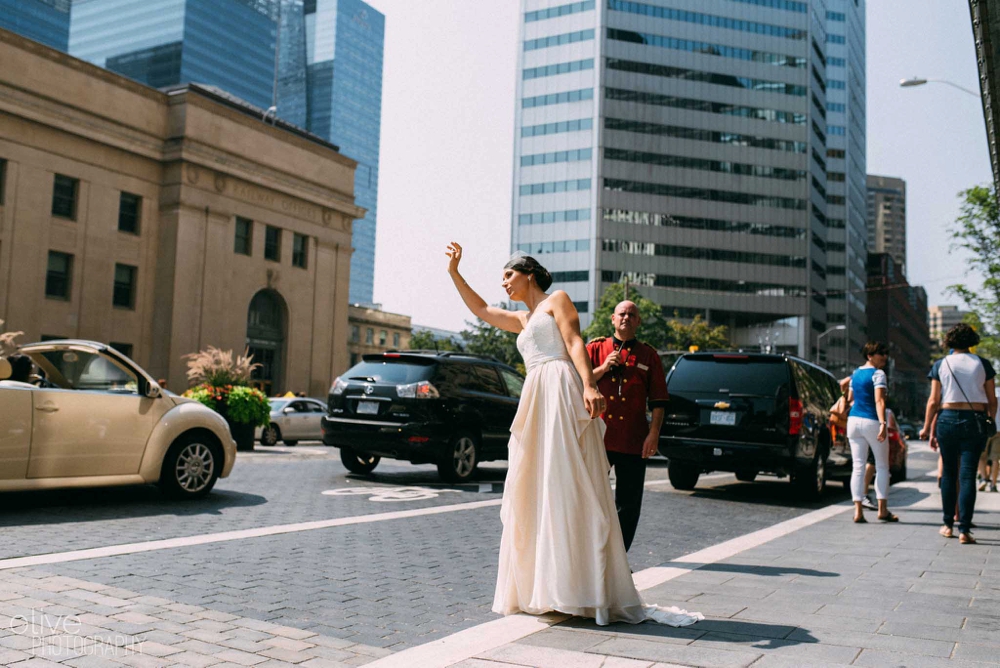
pixel 454 254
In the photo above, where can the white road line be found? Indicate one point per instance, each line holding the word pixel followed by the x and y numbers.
pixel 188 541
pixel 466 644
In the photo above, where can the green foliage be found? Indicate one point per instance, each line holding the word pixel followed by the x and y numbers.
pixel 977 231
pixel 484 339
pixel 424 340
pixel 657 331
pixel 238 403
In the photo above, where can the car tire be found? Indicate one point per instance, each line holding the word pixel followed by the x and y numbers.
pixel 683 475
pixel 459 462
pixel 355 462
pixel 191 467
pixel 291 443
pixel 810 480
pixel 271 435
pixel 747 475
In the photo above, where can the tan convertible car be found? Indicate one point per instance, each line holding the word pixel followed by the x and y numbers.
pixel 92 417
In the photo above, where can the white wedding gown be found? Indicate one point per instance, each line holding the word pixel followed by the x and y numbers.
pixel 562 547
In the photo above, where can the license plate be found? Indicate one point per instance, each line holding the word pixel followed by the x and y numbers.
pixel 723 418
pixel 367 408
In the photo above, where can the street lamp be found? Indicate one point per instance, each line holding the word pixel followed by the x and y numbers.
pixel 917 81
pixel 837 328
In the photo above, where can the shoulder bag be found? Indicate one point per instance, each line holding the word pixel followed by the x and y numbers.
pixel 984 421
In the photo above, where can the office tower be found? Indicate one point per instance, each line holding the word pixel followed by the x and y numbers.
pixel 345 40
pixel 847 220
pixel 681 145
pixel 942 318
pixel 887 217
pixel 45 21
pixel 229 44
pixel 319 62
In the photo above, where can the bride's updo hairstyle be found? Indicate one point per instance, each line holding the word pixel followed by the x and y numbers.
pixel 526 264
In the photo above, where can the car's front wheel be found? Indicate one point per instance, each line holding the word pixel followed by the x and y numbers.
pixel 460 459
pixel 271 435
pixel 191 467
pixel 356 462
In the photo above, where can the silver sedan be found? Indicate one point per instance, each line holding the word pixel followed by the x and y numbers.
pixel 293 420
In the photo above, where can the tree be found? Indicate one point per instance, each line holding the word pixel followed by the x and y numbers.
pixel 656 330
pixel 977 231
pixel 484 339
pixel 653 329
pixel 424 340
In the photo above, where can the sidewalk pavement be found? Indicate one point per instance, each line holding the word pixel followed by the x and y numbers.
pixel 832 594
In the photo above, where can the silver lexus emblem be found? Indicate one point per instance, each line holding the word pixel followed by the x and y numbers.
pixel 369 389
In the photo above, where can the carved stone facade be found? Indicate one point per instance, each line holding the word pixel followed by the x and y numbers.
pixel 165 222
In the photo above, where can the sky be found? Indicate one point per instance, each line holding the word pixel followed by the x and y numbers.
pixel 448 137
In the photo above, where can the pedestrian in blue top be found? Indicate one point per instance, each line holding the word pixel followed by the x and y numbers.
pixel 866 428
pixel 962 400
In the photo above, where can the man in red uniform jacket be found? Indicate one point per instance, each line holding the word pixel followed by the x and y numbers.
pixel 629 374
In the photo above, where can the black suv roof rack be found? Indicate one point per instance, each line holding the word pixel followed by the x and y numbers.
pixel 442 353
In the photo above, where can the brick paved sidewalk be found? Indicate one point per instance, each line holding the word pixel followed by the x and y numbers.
pixel 831 594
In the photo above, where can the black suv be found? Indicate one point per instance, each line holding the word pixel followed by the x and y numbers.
pixel 751 413
pixel 426 407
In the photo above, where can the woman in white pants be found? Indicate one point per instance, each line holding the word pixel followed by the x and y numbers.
pixel 866 428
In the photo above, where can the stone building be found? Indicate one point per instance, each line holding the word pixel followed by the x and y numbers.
pixel 167 221
pixel 375 331
pixel 897 316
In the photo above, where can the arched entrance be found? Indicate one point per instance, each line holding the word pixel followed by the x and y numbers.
pixel 266 326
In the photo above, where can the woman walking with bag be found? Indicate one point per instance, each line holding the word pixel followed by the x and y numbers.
pixel 963 400
pixel 867 428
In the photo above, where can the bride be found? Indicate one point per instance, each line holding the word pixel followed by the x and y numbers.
pixel 562 547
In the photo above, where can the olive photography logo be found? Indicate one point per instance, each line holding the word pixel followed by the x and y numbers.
pixel 65 635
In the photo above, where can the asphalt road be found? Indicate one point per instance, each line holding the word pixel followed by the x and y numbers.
pixel 371 579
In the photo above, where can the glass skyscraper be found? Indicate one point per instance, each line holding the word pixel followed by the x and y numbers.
pixel 345 40
pixel 318 61
pixel 680 145
pixel 45 21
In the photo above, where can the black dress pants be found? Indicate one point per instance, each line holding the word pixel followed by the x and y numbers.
pixel 630 474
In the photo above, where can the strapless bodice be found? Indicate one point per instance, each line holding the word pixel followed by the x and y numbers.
pixel 540 341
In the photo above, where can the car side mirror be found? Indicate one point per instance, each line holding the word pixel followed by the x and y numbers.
pixel 153 391
pixel 288 410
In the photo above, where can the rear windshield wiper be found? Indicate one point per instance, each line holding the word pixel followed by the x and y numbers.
pixel 369 379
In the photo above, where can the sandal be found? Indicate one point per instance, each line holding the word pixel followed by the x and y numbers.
pixel 889 518
pixel 946 531
pixel 966 539
pixel 860 520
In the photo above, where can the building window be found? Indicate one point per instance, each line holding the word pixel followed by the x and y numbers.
pixel 129 213
pixel 59 277
pixel 3 178
pixel 395 339
pixel 383 336
pixel 125 280
pixel 370 336
pixel 272 244
pixel 300 249
pixel 355 333
pixel 553 217
pixel 558 98
pixel 124 348
pixel 243 243
pixel 64 197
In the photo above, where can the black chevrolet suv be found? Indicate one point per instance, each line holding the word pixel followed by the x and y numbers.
pixel 426 407
pixel 752 413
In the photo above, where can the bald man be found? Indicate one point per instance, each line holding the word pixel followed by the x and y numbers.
pixel 629 374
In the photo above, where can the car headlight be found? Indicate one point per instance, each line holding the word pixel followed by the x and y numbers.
pixel 338 386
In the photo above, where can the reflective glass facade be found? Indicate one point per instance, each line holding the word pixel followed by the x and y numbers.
pixel 318 61
pixel 344 45
pixel 705 146
pixel 45 21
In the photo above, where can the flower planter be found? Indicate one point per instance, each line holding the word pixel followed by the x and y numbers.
pixel 243 434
